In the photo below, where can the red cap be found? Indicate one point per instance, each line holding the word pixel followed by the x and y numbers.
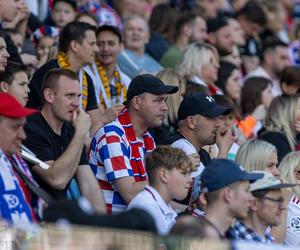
pixel 10 107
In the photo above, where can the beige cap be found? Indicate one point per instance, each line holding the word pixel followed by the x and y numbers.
pixel 268 182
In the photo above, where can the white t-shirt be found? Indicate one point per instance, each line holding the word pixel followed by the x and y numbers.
pixel 189 149
pixel 150 201
pixel 292 236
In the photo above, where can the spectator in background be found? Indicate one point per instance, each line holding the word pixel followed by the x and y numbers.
pixel 161 26
pixel 8 11
pixel 234 58
pixel 170 125
pixel 109 81
pixel 190 27
pixel 209 8
pixel 133 60
pixel 275 57
pixel 237 33
pixel 4 55
pixel 219 35
pixel 290 80
pixel 199 64
pixel 282 124
pixel 253 21
pixel 168 171
pixel 87 17
pixel 62 13
pixel 118 149
pixel 229 81
pixel 256 98
pixel 44 39
pixel 102 11
pixel 276 17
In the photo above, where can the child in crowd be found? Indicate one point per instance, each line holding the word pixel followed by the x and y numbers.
pixel 168 171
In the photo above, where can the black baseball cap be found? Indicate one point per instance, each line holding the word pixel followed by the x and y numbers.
pixel 111 28
pixel 147 83
pixel 200 104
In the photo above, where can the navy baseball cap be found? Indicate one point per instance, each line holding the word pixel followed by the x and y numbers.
pixel 200 104
pixel 147 83
pixel 222 172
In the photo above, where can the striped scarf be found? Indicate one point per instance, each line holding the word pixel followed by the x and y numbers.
pixel 15 205
pixel 136 160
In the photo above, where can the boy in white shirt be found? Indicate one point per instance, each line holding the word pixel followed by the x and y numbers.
pixel 168 172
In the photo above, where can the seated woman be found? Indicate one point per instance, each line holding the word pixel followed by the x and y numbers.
pixel 170 77
pixel 199 65
pixel 280 124
pixel 256 155
pixel 256 97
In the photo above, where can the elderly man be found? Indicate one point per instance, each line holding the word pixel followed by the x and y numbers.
pixel 133 60
pixel 15 196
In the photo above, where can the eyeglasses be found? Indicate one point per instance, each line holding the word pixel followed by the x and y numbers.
pixel 280 200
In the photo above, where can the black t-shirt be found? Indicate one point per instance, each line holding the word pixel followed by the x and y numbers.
pixel 36 84
pixel 49 146
pixel 279 140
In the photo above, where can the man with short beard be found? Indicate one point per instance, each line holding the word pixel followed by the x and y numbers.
pixel 57 136
pixel 219 35
pixel 199 124
pixel 190 27
pixel 118 149
pixel 275 57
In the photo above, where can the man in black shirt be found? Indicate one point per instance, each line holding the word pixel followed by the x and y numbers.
pixel 57 135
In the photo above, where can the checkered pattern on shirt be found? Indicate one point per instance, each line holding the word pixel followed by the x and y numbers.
pixel 110 156
pixel 240 231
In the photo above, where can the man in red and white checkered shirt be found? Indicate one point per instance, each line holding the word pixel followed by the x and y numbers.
pixel 118 149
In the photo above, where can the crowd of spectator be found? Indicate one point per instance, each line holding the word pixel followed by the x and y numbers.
pixel 180 117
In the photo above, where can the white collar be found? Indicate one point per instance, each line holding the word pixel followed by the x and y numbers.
pixel 165 208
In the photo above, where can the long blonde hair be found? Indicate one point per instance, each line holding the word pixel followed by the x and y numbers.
pixel 288 166
pixel 281 117
pixel 193 58
pixel 171 77
pixel 253 154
